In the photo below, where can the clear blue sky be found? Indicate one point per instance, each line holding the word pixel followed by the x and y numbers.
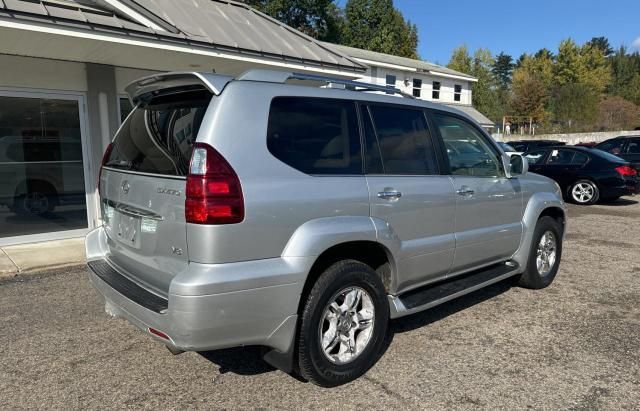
pixel 518 26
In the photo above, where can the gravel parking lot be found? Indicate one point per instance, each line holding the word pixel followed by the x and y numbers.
pixel 575 345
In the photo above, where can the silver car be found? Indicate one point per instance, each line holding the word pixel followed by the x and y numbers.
pixel 265 210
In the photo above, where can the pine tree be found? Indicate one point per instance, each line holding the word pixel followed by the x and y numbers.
pixel 378 26
pixel 502 69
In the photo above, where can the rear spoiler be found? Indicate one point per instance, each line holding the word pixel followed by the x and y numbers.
pixel 144 88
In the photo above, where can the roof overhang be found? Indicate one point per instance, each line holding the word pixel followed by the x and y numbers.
pixel 473 113
pixel 42 39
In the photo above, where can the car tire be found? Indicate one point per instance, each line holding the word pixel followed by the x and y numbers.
pixel 583 192
pixel 34 203
pixel 333 349
pixel 541 267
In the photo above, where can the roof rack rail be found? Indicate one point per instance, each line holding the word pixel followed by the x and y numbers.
pixel 274 76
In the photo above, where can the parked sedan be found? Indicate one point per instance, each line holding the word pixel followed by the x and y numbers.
pixel 625 147
pixel 522 146
pixel 507 148
pixel 585 175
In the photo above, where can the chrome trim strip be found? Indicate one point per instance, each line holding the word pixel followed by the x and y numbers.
pixel 139 173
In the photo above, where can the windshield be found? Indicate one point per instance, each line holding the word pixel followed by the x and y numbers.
pixel 158 137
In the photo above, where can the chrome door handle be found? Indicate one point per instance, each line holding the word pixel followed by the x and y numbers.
pixel 389 195
pixel 465 191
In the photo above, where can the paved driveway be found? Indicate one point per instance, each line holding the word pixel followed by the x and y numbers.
pixel 574 345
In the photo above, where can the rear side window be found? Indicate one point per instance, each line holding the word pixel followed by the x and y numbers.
pixel 560 157
pixel 314 135
pixel 403 141
pixel 158 137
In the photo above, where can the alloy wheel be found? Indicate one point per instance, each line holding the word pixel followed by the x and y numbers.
pixel 347 325
pixel 546 253
pixel 583 192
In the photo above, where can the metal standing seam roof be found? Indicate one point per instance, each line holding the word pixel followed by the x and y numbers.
pixel 473 113
pixel 223 25
pixel 396 60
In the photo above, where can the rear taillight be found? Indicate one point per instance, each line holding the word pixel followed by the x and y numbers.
pixel 105 157
pixel 214 194
pixel 626 171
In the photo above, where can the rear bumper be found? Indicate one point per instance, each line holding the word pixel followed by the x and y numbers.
pixel 213 306
pixel 627 188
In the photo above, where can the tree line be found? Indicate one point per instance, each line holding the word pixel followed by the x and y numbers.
pixel 575 88
pixel 584 87
pixel 374 25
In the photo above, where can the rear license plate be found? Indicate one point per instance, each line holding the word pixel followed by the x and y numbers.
pixel 127 230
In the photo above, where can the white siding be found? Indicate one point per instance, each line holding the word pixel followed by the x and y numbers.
pixel 377 75
pixel 38 73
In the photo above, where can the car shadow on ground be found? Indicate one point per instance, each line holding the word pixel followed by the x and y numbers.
pixel 248 360
pixel 620 202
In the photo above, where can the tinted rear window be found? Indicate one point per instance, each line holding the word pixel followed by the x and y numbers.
pixel 315 136
pixel 158 138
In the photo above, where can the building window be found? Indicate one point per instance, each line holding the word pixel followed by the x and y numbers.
pixel 435 94
pixel 417 87
pixel 457 92
pixel 42 185
pixel 391 80
pixel 125 108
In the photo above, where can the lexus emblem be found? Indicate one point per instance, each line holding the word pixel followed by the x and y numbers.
pixel 125 187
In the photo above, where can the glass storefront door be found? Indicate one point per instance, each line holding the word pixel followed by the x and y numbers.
pixel 42 175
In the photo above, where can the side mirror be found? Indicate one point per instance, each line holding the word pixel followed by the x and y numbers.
pixel 515 165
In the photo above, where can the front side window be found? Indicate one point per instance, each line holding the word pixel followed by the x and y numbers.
pixel 403 141
pixel 468 152
pixel 535 157
pixel 457 92
pixel 417 87
pixel 634 146
pixel 566 157
pixel 314 135
pixel 158 137
pixel 613 146
pixel 435 93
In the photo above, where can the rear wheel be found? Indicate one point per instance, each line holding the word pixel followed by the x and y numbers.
pixel 584 192
pixel 343 324
pixel 34 203
pixel 544 256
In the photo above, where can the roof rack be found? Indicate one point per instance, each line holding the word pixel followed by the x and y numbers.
pixel 274 76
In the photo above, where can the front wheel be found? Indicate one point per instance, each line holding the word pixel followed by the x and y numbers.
pixel 343 324
pixel 544 255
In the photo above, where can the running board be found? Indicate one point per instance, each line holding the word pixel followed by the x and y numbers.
pixel 434 294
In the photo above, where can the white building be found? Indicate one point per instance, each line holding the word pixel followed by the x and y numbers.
pixel 419 78
pixel 64 65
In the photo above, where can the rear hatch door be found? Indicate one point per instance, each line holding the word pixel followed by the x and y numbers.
pixel 142 185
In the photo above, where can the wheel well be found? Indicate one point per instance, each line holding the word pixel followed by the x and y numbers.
pixel 373 254
pixel 29 185
pixel 556 213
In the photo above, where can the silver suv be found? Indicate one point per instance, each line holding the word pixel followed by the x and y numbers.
pixel 265 210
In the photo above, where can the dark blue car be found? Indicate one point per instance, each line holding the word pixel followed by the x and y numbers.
pixel 585 175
